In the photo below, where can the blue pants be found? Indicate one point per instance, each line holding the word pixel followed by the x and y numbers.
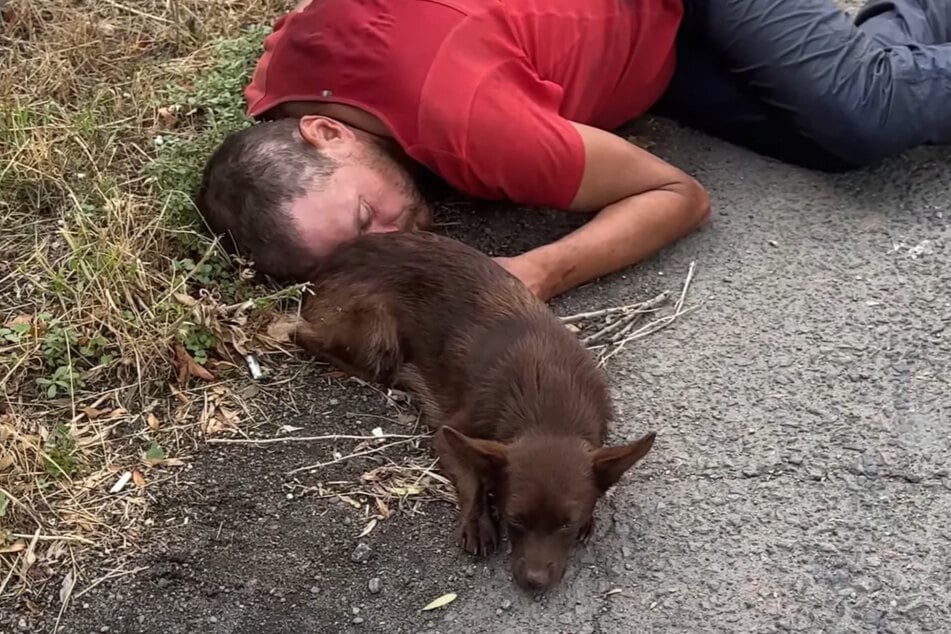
pixel 800 81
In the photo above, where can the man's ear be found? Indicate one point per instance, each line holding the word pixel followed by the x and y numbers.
pixel 326 134
pixel 610 463
pixel 476 453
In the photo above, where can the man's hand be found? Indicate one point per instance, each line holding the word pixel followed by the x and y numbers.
pixel 643 205
pixel 525 270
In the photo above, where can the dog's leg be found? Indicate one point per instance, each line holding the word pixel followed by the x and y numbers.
pixel 360 338
pixel 432 412
pixel 476 530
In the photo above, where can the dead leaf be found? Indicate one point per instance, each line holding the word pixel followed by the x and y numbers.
pixel 188 366
pixel 173 462
pixel 121 482
pixel 153 421
pixel 106 28
pixel 573 328
pixel 406 418
pixel 441 601
pixel 184 299
pixel 66 590
pixel 411 489
pixel 92 413
pixel 15 547
pixel 138 478
pixel 349 500
pixel 168 118
pixel 281 329
pixel 19 319
pixel 6 461
pixel 368 528
pixel 383 509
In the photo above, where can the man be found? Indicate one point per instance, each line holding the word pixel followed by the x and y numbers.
pixel 514 100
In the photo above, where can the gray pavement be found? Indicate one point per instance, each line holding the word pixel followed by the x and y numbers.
pixel 801 478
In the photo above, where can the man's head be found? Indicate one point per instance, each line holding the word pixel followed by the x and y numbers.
pixel 286 193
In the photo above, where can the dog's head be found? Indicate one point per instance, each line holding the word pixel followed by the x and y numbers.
pixel 546 488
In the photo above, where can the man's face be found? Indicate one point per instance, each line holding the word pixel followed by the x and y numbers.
pixel 369 192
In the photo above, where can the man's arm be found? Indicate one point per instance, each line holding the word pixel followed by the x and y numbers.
pixel 644 202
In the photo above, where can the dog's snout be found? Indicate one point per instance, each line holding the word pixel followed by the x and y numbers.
pixel 539 577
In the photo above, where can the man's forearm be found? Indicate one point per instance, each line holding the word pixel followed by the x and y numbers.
pixel 620 235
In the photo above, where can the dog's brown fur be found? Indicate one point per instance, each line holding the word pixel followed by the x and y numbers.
pixel 519 406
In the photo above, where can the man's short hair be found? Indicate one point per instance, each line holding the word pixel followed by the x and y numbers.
pixel 247 188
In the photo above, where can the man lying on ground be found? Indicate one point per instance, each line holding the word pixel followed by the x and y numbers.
pixel 515 101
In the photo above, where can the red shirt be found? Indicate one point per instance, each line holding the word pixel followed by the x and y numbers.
pixel 480 91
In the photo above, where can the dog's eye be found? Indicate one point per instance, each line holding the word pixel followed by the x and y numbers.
pixel 567 526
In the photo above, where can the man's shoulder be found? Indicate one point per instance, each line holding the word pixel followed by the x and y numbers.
pixel 502 137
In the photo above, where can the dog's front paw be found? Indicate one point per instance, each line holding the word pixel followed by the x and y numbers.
pixel 477 534
pixel 585 532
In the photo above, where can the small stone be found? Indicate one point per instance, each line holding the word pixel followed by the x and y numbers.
pixel 470 571
pixel 912 477
pixel 104 628
pixel 816 474
pixel 751 472
pixel 374 585
pixel 872 615
pixel 626 551
pixel 795 459
pixel 314 590
pixel 163 582
pixel 506 604
pixel 874 561
pixel 335 401
pixel 361 553
pixel 212 619
pixel 869 584
pixel 827 547
pixel 140 618
pixel 357 620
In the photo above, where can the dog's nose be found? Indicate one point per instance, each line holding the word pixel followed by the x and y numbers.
pixel 538 578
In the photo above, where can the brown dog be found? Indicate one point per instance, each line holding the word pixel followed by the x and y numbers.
pixel 519 406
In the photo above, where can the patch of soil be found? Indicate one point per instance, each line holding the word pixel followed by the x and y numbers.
pixel 238 545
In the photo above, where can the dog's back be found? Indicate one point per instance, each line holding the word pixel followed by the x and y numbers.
pixel 420 309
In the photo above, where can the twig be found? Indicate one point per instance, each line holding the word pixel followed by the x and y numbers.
pixel 645 306
pixel 354 455
pixel 13 566
pixel 55 538
pixel 109 575
pixel 265 441
pixel 657 324
pixel 141 14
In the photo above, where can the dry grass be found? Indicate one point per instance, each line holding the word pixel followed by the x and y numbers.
pixel 119 317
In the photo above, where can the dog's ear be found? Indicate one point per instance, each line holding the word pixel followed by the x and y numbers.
pixel 475 452
pixel 610 463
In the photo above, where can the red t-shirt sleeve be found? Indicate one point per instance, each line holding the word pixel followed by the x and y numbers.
pixel 516 146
